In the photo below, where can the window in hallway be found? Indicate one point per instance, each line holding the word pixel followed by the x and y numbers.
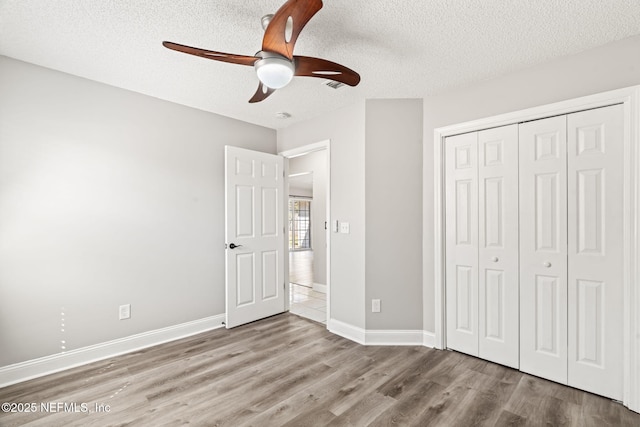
pixel 299 224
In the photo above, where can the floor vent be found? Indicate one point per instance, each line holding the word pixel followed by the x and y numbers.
pixel 333 84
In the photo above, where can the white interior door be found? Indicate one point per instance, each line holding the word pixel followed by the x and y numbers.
pixel 543 248
pixel 461 178
pixel 595 291
pixel 498 280
pixel 254 188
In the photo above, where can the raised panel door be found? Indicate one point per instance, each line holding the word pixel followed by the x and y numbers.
pixel 461 205
pixel 498 279
pixel 254 222
pixel 595 292
pixel 543 248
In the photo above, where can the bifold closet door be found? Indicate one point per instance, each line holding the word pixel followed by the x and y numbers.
pixel 461 205
pixel 482 244
pixel 571 205
pixel 595 209
pixel 543 248
pixel 498 281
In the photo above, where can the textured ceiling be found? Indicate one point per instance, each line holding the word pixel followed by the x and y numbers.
pixel 411 48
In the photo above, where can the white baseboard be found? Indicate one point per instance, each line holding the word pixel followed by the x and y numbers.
pixel 428 339
pixel 23 371
pixel 394 337
pixel 346 330
pixel 319 287
pixel 381 337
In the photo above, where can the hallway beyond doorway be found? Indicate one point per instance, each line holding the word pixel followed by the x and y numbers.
pixel 304 301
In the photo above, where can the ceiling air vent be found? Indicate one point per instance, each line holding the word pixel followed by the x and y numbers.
pixel 333 84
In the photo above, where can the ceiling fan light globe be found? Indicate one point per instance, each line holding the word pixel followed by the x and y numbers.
pixel 274 72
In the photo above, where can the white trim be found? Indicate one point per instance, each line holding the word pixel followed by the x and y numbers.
pixel 347 331
pixel 633 352
pixel 319 287
pixel 285 244
pixel 395 337
pixel 35 368
pixel 296 175
pixel 630 97
pixel 428 339
pixel 438 239
pixel 381 337
pixel 306 149
pixel 327 144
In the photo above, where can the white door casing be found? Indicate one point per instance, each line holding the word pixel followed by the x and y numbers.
pixel 498 245
pixel 254 188
pixel 543 248
pixel 595 291
pixel 462 242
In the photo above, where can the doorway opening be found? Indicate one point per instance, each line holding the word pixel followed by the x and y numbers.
pixel 308 242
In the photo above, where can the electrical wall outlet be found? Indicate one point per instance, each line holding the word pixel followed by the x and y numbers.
pixel 344 227
pixel 375 306
pixel 125 311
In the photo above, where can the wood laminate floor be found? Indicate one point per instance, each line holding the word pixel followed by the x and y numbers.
pixel 289 371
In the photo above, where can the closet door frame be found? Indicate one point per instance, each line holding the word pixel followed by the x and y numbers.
pixel 630 98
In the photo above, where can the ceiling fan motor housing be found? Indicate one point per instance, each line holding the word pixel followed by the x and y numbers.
pixel 273 70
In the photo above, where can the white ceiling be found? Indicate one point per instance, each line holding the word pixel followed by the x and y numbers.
pixel 401 48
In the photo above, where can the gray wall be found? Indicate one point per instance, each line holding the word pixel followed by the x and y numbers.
pixel 345 129
pixel 393 164
pixel 316 163
pixel 376 186
pixel 107 197
pixel 613 66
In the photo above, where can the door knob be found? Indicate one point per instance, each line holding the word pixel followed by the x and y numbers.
pixel 546 264
pixel 495 259
pixel 233 245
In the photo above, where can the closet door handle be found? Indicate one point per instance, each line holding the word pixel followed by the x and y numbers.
pixel 495 259
pixel 546 264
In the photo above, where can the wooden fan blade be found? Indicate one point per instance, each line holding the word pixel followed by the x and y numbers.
pixel 315 67
pixel 276 38
pixel 209 54
pixel 262 93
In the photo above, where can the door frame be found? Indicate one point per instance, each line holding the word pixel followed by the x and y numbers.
pixel 297 152
pixel 630 98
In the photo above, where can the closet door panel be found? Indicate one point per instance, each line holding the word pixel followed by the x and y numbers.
pixel 498 245
pixel 543 248
pixel 461 181
pixel 595 292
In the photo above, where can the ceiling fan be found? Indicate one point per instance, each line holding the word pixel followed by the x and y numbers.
pixel 276 64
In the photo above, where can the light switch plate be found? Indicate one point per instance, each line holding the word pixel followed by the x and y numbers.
pixel 344 227
pixel 124 311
